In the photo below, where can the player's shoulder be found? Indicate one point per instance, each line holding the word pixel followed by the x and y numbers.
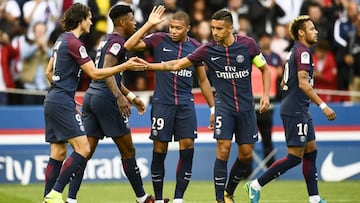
pixel 302 52
pixel 114 38
pixel 160 35
pixel 244 39
pixel 299 47
pixel 70 39
pixel 194 41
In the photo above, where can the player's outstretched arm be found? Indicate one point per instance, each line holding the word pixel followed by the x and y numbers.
pixel 135 42
pixel 134 64
pixel 173 65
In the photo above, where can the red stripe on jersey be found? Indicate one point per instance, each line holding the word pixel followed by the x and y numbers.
pixel 175 75
pixel 232 80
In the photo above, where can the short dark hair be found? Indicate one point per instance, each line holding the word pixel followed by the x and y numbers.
pixel 119 11
pixel 74 15
pixel 223 14
pixel 181 15
pixel 298 24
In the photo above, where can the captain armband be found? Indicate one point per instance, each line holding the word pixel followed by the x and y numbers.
pixel 259 60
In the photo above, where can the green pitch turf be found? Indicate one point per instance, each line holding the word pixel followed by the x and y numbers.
pixel 281 191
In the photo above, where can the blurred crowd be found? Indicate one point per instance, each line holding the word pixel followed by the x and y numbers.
pixel 28 29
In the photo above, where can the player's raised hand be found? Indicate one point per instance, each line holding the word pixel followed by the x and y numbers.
pixel 156 15
pixel 140 106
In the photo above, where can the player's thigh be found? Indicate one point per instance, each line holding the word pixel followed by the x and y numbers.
pixel 185 123
pixel 62 123
pixel 246 128
pixel 297 130
pixel 162 122
pixel 106 119
pixel 91 124
pixel 225 124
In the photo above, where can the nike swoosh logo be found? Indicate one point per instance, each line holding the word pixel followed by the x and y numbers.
pixel 166 49
pixel 251 196
pixel 331 172
pixel 215 58
pixel 217 178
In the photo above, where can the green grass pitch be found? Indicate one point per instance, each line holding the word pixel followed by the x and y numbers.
pixel 279 191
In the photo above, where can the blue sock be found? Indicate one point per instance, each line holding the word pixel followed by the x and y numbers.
pixel 132 172
pixel 279 167
pixel 238 171
pixel 75 183
pixel 220 177
pixel 310 172
pixel 183 173
pixel 158 173
pixel 72 164
pixel 51 173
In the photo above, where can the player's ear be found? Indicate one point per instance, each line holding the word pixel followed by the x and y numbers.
pixel 188 28
pixel 231 28
pixel 301 33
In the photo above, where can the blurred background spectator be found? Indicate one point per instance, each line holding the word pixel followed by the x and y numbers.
pixel 202 31
pixel 6 53
pixel 237 7
pixel 344 27
pixel 40 11
pixel 354 60
pixel 266 15
pixel 34 58
pixel 325 75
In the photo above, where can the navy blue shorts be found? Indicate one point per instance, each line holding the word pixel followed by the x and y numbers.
pixel 62 122
pixel 242 124
pixel 298 130
pixel 168 120
pixel 101 117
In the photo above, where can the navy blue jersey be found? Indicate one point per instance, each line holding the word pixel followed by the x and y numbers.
pixel 111 44
pixel 69 53
pixel 230 71
pixel 295 102
pixel 172 87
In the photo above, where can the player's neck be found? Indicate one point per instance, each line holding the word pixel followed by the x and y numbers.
pixel 304 42
pixel 77 32
pixel 227 41
pixel 118 31
pixel 184 39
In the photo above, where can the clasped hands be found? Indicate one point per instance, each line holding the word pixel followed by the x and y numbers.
pixel 136 64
